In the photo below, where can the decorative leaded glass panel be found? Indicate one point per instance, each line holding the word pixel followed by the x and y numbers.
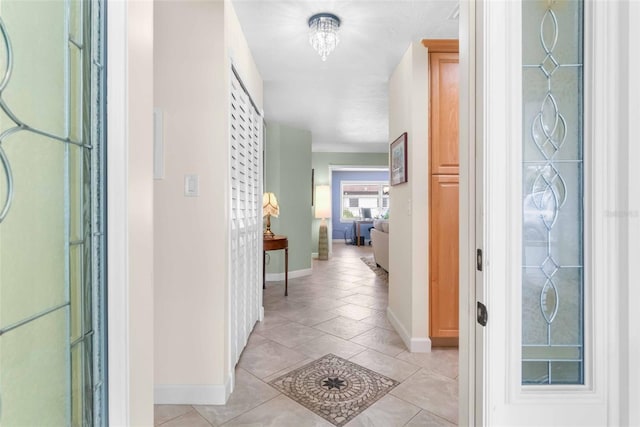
pixel 552 273
pixel 52 205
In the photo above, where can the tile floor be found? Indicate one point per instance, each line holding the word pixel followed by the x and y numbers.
pixel 339 309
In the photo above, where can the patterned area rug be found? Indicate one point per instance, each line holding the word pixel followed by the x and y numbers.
pixel 380 272
pixel 334 388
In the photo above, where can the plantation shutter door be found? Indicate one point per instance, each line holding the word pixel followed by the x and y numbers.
pixel 245 276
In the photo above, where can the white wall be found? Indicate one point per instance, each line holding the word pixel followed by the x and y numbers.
pixel 238 50
pixel 409 223
pixel 130 212
pixel 193 43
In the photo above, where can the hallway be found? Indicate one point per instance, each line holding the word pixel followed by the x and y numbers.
pixel 339 309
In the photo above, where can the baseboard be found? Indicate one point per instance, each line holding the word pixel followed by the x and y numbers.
pixel 415 345
pixel 261 313
pixel 277 277
pixel 420 345
pixel 193 394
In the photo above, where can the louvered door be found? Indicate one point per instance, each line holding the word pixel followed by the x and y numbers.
pixel 245 287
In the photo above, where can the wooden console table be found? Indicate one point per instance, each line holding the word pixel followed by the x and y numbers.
pixel 360 223
pixel 273 244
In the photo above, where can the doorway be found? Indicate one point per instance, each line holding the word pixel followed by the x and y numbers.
pixel 360 194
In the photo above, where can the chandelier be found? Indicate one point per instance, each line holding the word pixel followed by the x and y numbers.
pixel 323 33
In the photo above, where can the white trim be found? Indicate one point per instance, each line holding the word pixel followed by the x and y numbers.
pixel 467 215
pixel 415 345
pixel 117 214
pixel 494 117
pixel 357 147
pixel 193 394
pixel 420 345
pixel 276 277
pixel 630 337
pixel 602 175
pixel 340 168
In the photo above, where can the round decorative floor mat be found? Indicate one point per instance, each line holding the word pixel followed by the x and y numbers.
pixel 334 388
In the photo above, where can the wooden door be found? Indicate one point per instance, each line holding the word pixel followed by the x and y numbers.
pixel 444 248
pixel 443 201
pixel 443 69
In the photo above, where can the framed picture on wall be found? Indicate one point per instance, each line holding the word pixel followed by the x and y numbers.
pixel 398 160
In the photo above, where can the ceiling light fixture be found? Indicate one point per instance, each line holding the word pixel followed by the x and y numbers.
pixel 323 33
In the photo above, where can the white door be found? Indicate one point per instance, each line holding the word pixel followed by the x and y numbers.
pixel 245 242
pixel 545 126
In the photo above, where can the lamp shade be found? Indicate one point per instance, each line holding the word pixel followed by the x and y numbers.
pixel 270 205
pixel 323 202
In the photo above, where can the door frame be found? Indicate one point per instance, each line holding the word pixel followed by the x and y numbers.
pixel 342 168
pixel 488 30
pixel 130 348
pixel 467 294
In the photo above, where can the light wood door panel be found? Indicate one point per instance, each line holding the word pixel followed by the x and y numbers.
pixel 443 250
pixel 444 113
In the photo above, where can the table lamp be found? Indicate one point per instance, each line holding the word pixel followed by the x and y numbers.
pixel 269 208
pixel 323 211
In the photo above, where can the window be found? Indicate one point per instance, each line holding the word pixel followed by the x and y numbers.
pixel 363 199
pixel 553 286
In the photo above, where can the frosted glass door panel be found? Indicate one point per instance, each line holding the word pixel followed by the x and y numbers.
pixel 34 360
pixel 34 378
pixel 32 236
pixel 51 204
pixel 553 278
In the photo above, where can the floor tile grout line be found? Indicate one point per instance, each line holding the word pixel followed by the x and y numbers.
pixel 193 409
pixel 441 417
pixel 413 404
pixel 391 392
pixel 255 407
pixel 414 417
pixel 206 420
pixel 176 417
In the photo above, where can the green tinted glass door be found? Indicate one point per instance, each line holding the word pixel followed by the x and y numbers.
pixel 51 228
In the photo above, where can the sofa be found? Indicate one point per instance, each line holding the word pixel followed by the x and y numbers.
pixel 380 243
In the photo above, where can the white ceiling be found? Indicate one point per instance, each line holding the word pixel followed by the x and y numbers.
pixel 343 101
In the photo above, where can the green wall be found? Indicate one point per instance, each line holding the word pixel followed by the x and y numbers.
pixel 288 175
pixel 321 162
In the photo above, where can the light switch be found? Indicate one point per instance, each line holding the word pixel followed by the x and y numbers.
pixel 191 185
pixel 158 144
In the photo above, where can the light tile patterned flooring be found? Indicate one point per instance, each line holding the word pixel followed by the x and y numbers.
pixel 339 309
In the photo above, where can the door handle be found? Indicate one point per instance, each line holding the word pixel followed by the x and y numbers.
pixel 482 314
